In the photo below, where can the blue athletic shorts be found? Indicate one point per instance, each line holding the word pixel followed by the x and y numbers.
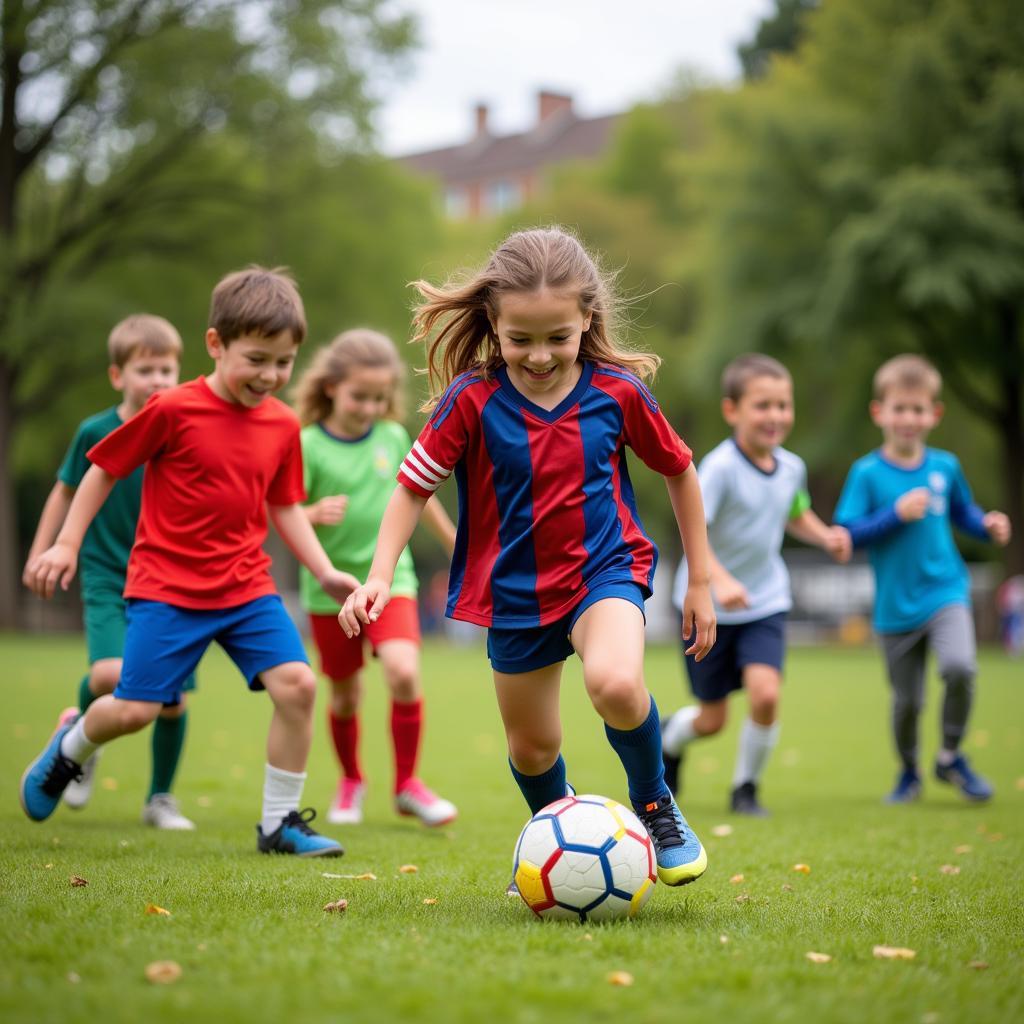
pixel 164 644
pixel 525 649
pixel 761 642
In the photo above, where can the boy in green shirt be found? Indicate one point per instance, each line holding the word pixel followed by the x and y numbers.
pixel 144 358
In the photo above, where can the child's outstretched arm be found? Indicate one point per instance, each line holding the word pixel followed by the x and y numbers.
pixel 51 519
pixel 698 611
pixel 807 527
pixel 58 563
pixel 292 523
pixel 440 524
pixel 365 603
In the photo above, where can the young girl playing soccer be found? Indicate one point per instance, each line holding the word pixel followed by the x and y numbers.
pixel 352 445
pixel 535 402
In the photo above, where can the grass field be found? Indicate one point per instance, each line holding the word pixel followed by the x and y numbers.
pixel 254 943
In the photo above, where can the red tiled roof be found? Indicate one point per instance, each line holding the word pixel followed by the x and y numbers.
pixel 563 136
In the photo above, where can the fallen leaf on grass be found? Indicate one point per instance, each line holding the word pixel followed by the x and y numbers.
pixel 743 897
pixel 152 908
pixel 107 782
pixel 50 865
pixel 736 879
pixel 204 801
pixel 804 869
pixel 723 939
pixel 408 869
pixel 586 937
pixel 429 902
pixel 786 887
pixel 721 831
pixel 893 953
pixel 366 876
pixel 77 882
pixel 819 958
pixel 337 907
pixel 978 965
pixel 623 978
pixel 1020 783
pixel 963 848
pixel 950 869
pixel 163 972
pixel 994 837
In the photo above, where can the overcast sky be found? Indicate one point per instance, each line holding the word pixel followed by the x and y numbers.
pixel 608 54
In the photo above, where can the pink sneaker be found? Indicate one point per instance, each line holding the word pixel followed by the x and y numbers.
pixel 347 808
pixel 415 799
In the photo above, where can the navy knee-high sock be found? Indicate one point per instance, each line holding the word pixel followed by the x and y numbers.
pixel 639 751
pixel 541 790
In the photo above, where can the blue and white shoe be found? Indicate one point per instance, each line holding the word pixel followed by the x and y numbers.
pixel 680 855
pixel 960 774
pixel 907 788
pixel 295 836
pixel 47 777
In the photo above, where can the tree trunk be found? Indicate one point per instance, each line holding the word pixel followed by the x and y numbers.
pixel 9 568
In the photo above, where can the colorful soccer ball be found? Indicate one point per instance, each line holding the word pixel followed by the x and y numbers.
pixel 585 858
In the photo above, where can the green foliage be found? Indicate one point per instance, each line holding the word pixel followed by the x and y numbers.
pixel 255 944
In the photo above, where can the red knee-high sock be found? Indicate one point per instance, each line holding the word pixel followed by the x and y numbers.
pixel 345 734
pixel 406 729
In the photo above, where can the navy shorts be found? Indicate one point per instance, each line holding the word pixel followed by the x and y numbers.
pixel 739 644
pixel 164 643
pixel 522 649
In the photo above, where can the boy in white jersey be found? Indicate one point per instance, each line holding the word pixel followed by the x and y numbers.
pixel 754 492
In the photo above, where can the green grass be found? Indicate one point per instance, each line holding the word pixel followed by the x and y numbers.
pixel 255 944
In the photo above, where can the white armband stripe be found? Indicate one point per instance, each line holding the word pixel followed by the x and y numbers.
pixel 422 453
pixel 427 485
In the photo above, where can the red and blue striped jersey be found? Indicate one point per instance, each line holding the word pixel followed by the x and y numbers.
pixel 546 507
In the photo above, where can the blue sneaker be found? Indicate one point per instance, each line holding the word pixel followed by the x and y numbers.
pixel 959 773
pixel 295 836
pixel 907 788
pixel 681 858
pixel 47 777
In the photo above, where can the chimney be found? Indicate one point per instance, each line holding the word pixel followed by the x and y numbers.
pixel 481 119
pixel 551 103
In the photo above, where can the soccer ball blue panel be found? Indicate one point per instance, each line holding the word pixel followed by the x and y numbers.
pixel 585 858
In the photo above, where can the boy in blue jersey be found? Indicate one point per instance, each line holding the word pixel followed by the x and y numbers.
pixel 144 352
pixel 899 502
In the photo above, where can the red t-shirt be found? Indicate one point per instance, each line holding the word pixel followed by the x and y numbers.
pixel 211 469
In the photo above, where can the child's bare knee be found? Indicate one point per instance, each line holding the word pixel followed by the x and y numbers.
pixel 136 715
pixel 533 755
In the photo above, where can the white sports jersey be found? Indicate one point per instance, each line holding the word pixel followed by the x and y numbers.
pixel 747 510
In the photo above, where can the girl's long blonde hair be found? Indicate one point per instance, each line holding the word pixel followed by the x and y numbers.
pixel 454 320
pixel 359 347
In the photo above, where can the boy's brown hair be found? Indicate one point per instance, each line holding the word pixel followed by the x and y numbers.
pixel 259 302
pixel 908 372
pixel 142 332
pixel 743 369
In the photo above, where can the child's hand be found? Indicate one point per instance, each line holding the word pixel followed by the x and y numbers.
pixel 699 619
pixel 328 511
pixel 839 544
pixel 363 606
pixel 913 505
pixel 338 585
pixel 730 593
pixel 55 565
pixel 998 526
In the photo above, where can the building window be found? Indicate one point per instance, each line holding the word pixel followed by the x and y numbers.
pixel 502 195
pixel 456 203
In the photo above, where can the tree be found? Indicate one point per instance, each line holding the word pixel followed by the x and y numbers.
pixel 780 32
pixel 868 198
pixel 124 122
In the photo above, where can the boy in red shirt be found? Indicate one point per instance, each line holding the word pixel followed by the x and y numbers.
pixel 220 451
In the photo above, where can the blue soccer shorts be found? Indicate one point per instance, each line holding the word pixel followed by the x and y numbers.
pixel 737 645
pixel 524 649
pixel 164 643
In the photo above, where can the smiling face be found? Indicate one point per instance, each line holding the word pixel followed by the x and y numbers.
pixel 905 416
pixel 539 335
pixel 359 400
pixel 251 367
pixel 141 376
pixel 762 417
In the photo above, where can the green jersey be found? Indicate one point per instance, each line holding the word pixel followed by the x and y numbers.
pixel 109 539
pixel 363 469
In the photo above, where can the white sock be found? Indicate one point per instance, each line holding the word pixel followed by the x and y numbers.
pixel 282 792
pixel 76 745
pixel 946 757
pixel 756 743
pixel 679 730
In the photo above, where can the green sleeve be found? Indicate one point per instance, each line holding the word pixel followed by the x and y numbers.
pixel 801 503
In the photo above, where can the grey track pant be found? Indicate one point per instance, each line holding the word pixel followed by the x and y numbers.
pixel 950 634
